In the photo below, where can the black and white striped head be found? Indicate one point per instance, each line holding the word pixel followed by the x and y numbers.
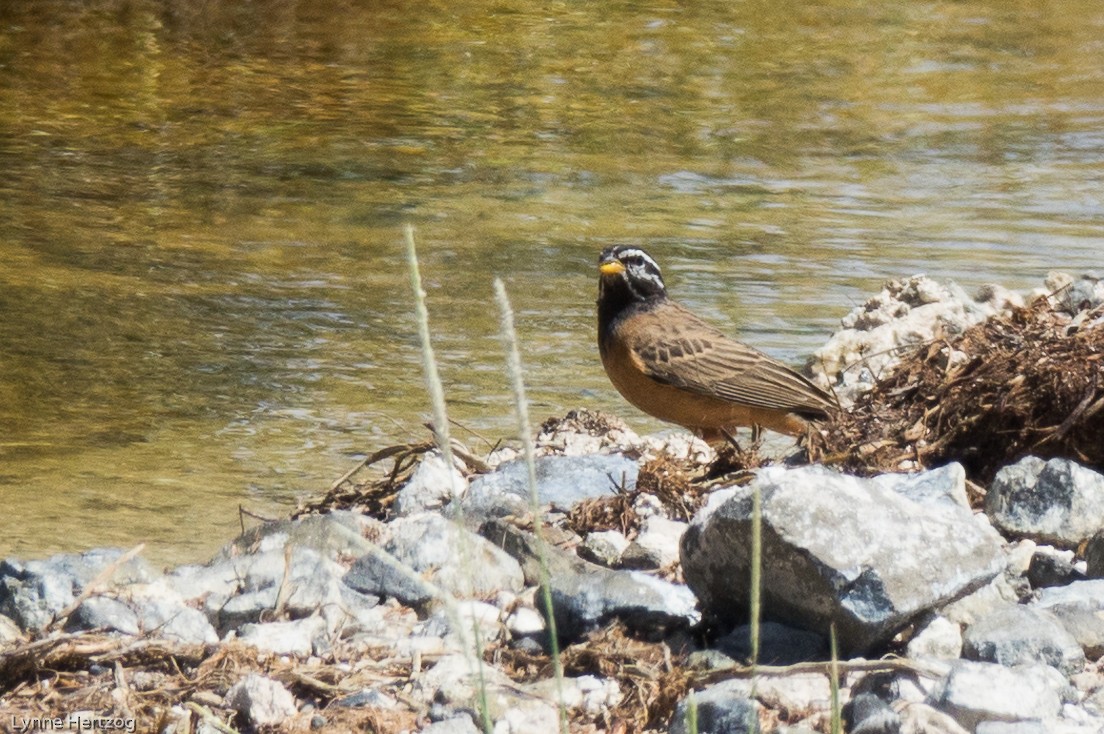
pixel 628 273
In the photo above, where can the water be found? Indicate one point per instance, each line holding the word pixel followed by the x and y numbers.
pixel 203 298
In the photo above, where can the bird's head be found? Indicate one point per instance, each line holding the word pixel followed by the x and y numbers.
pixel 629 273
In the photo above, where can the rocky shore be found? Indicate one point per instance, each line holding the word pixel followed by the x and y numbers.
pixel 411 601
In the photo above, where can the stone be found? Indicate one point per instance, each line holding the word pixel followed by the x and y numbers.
pixel 1094 556
pixel 603 547
pixel 33 592
pixel 1072 294
pixel 295 637
pixel 778 644
pixel 974 692
pixel 723 708
pixel 839 550
pixel 1079 607
pixel 377 573
pixel 1022 634
pixel 585 432
pixel 456 725
pixel 868 714
pixel 656 545
pixel 1011 727
pixel 562 481
pixel 946 484
pixel 997 594
pixel 914 310
pixel 299 564
pixel 919 718
pixel 9 631
pixel 144 609
pixel 1051 568
pixel 432 486
pixel 1057 502
pixel 457 623
pixel 261 700
pixel 586 597
pixel 427 554
pixel 525 622
pixel 938 638
pixel 809 692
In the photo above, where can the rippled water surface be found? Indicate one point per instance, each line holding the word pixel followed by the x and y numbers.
pixel 203 297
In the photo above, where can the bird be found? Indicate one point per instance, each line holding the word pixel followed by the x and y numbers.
pixel 671 364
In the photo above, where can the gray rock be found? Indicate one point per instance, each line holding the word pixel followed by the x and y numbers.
pixel 1057 501
pixel 584 601
pixel 444 552
pixel 586 596
pixel 778 644
pixel 919 718
pixel 262 701
pixel 1080 609
pixel 947 484
pixel 1021 634
pixel 32 593
pixel 723 708
pixel 1011 727
pixel 561 482
pixel 1072 293
pixel 868 714
pixel 252 575
pixel 457 725
pixel 104 613
pixel 1052 569
pixel 337 533
pixel 366 698
pixel 377 573
pixel 1094 556
pixel 603 547
pixel 837 550
pixel 975 692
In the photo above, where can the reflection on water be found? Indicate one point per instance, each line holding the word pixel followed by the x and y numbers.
pixel 203 302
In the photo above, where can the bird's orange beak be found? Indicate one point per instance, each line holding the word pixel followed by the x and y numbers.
pixel 613 267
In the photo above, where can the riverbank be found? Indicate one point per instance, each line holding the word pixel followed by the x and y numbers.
pixel 963 595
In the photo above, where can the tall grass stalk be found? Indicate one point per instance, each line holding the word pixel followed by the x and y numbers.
pixel 441 435
pixel 756 569
pixel 525 434
pixel 833 683
pixel 691 712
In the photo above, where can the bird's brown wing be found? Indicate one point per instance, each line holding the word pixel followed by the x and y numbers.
pixel 672 345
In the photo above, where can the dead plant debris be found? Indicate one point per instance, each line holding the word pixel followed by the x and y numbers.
pixel 1027 383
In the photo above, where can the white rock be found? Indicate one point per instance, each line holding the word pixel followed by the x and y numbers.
pixel 659 538
pixel 9 631
pixel 939 638
pixel 296 637
pixel 430 487
pixel 528 717
pixel 604 547
pixel 458 725
pixel 261 700
pixel 1019 556
pixel 524 622
pixel 908 311
pixel 975 692
pixel 919 718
